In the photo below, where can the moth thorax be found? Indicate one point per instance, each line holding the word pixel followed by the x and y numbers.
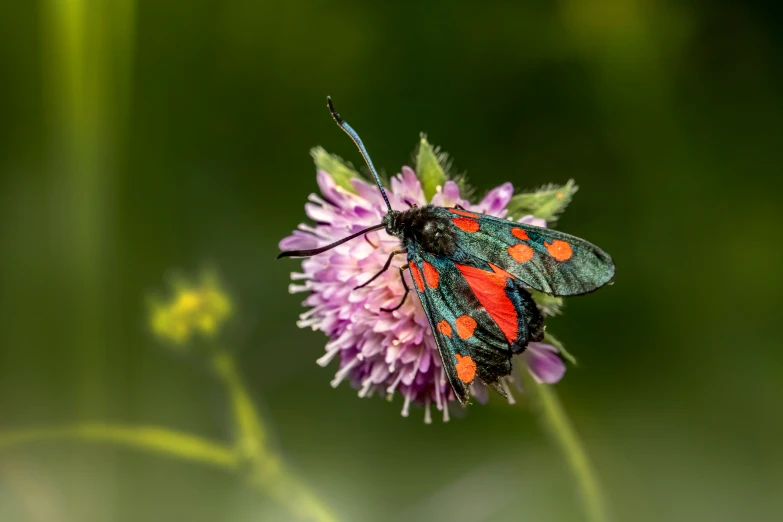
pixel 428 228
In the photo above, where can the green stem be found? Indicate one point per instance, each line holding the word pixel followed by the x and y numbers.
pixel 265 468
pixel 146 438
pixel 556 421
pixel 268 471
pixel 251 439
pixel 267 474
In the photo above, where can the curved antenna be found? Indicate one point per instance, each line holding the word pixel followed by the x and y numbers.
pixel 314 251
pixel 358 141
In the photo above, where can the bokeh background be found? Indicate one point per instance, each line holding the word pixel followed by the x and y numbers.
pixel 142 137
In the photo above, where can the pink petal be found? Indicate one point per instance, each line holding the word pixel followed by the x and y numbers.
pixel 543 362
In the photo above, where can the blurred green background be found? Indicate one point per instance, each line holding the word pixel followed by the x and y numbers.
pixel 137 138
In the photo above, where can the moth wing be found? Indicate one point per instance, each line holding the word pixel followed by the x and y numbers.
pixel 547 260
pixel 479 318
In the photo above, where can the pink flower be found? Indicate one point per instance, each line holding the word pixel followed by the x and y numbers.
pixel 384 352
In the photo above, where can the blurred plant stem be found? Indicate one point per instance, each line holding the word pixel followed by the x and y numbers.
pixel 250 455
pixel 556 421
pixel 267 470
pixel 147 438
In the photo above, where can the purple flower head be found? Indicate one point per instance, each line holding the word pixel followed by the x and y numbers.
pixel 385 352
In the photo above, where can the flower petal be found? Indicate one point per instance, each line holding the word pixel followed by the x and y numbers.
pixel 496 200
pixel 298 241
pixel 407 187
pixel 543 362
pixel 530 219
pixel 448 196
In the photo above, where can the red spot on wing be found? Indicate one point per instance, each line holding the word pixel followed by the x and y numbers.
pixel 520 253
pixel 417 277
pixel 463 213
pixel 466 368
pixel 560 250
pixel 490 290
pixel 520 234
pixel 445 328
pixel 465 224
pixel 466 325
pixel 431 275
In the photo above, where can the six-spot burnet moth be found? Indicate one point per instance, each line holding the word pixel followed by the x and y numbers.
pixel 472 273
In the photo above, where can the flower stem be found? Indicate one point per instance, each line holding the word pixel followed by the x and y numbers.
pixel 562 431
pixel 266 474
pixel 263 468
pixel 268 471
pixel 251 439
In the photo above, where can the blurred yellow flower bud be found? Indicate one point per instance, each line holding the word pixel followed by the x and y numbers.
pixel 194 309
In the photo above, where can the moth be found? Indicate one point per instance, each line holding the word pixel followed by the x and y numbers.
pixel 472 273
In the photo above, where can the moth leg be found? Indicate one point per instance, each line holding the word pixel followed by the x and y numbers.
pixel 385 268
pixel 370 242
pixel 459 207
pixel 405 295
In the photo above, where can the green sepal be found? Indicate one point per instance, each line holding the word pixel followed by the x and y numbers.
pixel 549 305
pixel 341 171
pixel 545 203
pixel 431 166
pixel 550 339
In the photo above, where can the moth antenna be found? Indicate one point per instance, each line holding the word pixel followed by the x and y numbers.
pixel 314 251
pixel 358 141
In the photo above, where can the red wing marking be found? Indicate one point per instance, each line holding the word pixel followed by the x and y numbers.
pixel 445 328
pixel 466 325
pixel 520 252
pixel 463 213
pixel 466 368
pixel 490 290
pixel 560 250
pixel 520 234
pixel 431 275
pixel 417 277
pixel 465 224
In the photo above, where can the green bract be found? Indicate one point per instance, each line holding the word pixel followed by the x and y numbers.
pixel 429 168
pixel 545 203
pixel 550 339
pixel 341 172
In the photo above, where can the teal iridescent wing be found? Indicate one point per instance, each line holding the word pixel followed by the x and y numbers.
pixel 546 260
pixel 479 317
